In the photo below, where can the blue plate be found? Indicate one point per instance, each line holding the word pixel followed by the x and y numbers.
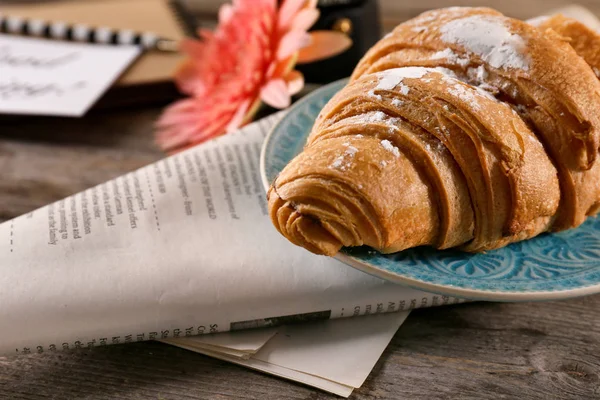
pixel 548 267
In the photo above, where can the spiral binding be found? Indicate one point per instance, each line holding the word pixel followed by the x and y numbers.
pixel 83 33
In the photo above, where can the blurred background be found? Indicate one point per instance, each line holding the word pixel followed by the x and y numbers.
pixel 395 11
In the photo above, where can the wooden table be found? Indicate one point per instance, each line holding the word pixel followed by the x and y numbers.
pixel 470 351
pixel 480 350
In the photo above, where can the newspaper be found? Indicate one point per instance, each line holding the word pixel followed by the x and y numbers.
pixel 334 355
pixel 178 248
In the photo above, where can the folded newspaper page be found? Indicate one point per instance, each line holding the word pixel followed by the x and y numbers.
pixel 333 355
pixel 242 344
pixel 178 248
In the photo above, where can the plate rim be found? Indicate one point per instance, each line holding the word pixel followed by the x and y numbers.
pixel 467 293
pixel 446 290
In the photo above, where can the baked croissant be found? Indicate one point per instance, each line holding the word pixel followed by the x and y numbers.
pixel 461 128
pixel 585 41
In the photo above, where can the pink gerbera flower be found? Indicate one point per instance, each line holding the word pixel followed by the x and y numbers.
pixel 248 59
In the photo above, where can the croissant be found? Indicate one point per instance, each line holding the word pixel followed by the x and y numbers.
pixel 585 41
pixel 462 128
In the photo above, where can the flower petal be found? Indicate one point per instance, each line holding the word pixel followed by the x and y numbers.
pixel 176 112
pixel 291 42
pixel 280 68
pixel 305 19
pixel 287 11
pixel 205 34
pixel 229 71
pixel 192 47
pixel 185 132
pixel 294 81
pixel 225 13
pixel 168 139
pixel 324 44
pixel 187 79
pixel 238 117
pixel 275 93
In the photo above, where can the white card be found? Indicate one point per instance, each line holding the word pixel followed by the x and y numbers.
pixel 46 77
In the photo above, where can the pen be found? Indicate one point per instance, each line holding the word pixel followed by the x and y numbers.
pixel 83 33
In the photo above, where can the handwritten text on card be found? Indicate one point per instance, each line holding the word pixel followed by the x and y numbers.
pixel 42 77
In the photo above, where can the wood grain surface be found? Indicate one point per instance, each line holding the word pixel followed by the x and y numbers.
pixel 470 351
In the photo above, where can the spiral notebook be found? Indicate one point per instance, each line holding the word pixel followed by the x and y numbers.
pixel 149 79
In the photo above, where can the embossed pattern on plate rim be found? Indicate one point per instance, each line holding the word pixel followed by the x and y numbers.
pixel 502 283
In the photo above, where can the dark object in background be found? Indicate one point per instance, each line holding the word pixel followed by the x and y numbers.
pixel 186 17
pixel 357 18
